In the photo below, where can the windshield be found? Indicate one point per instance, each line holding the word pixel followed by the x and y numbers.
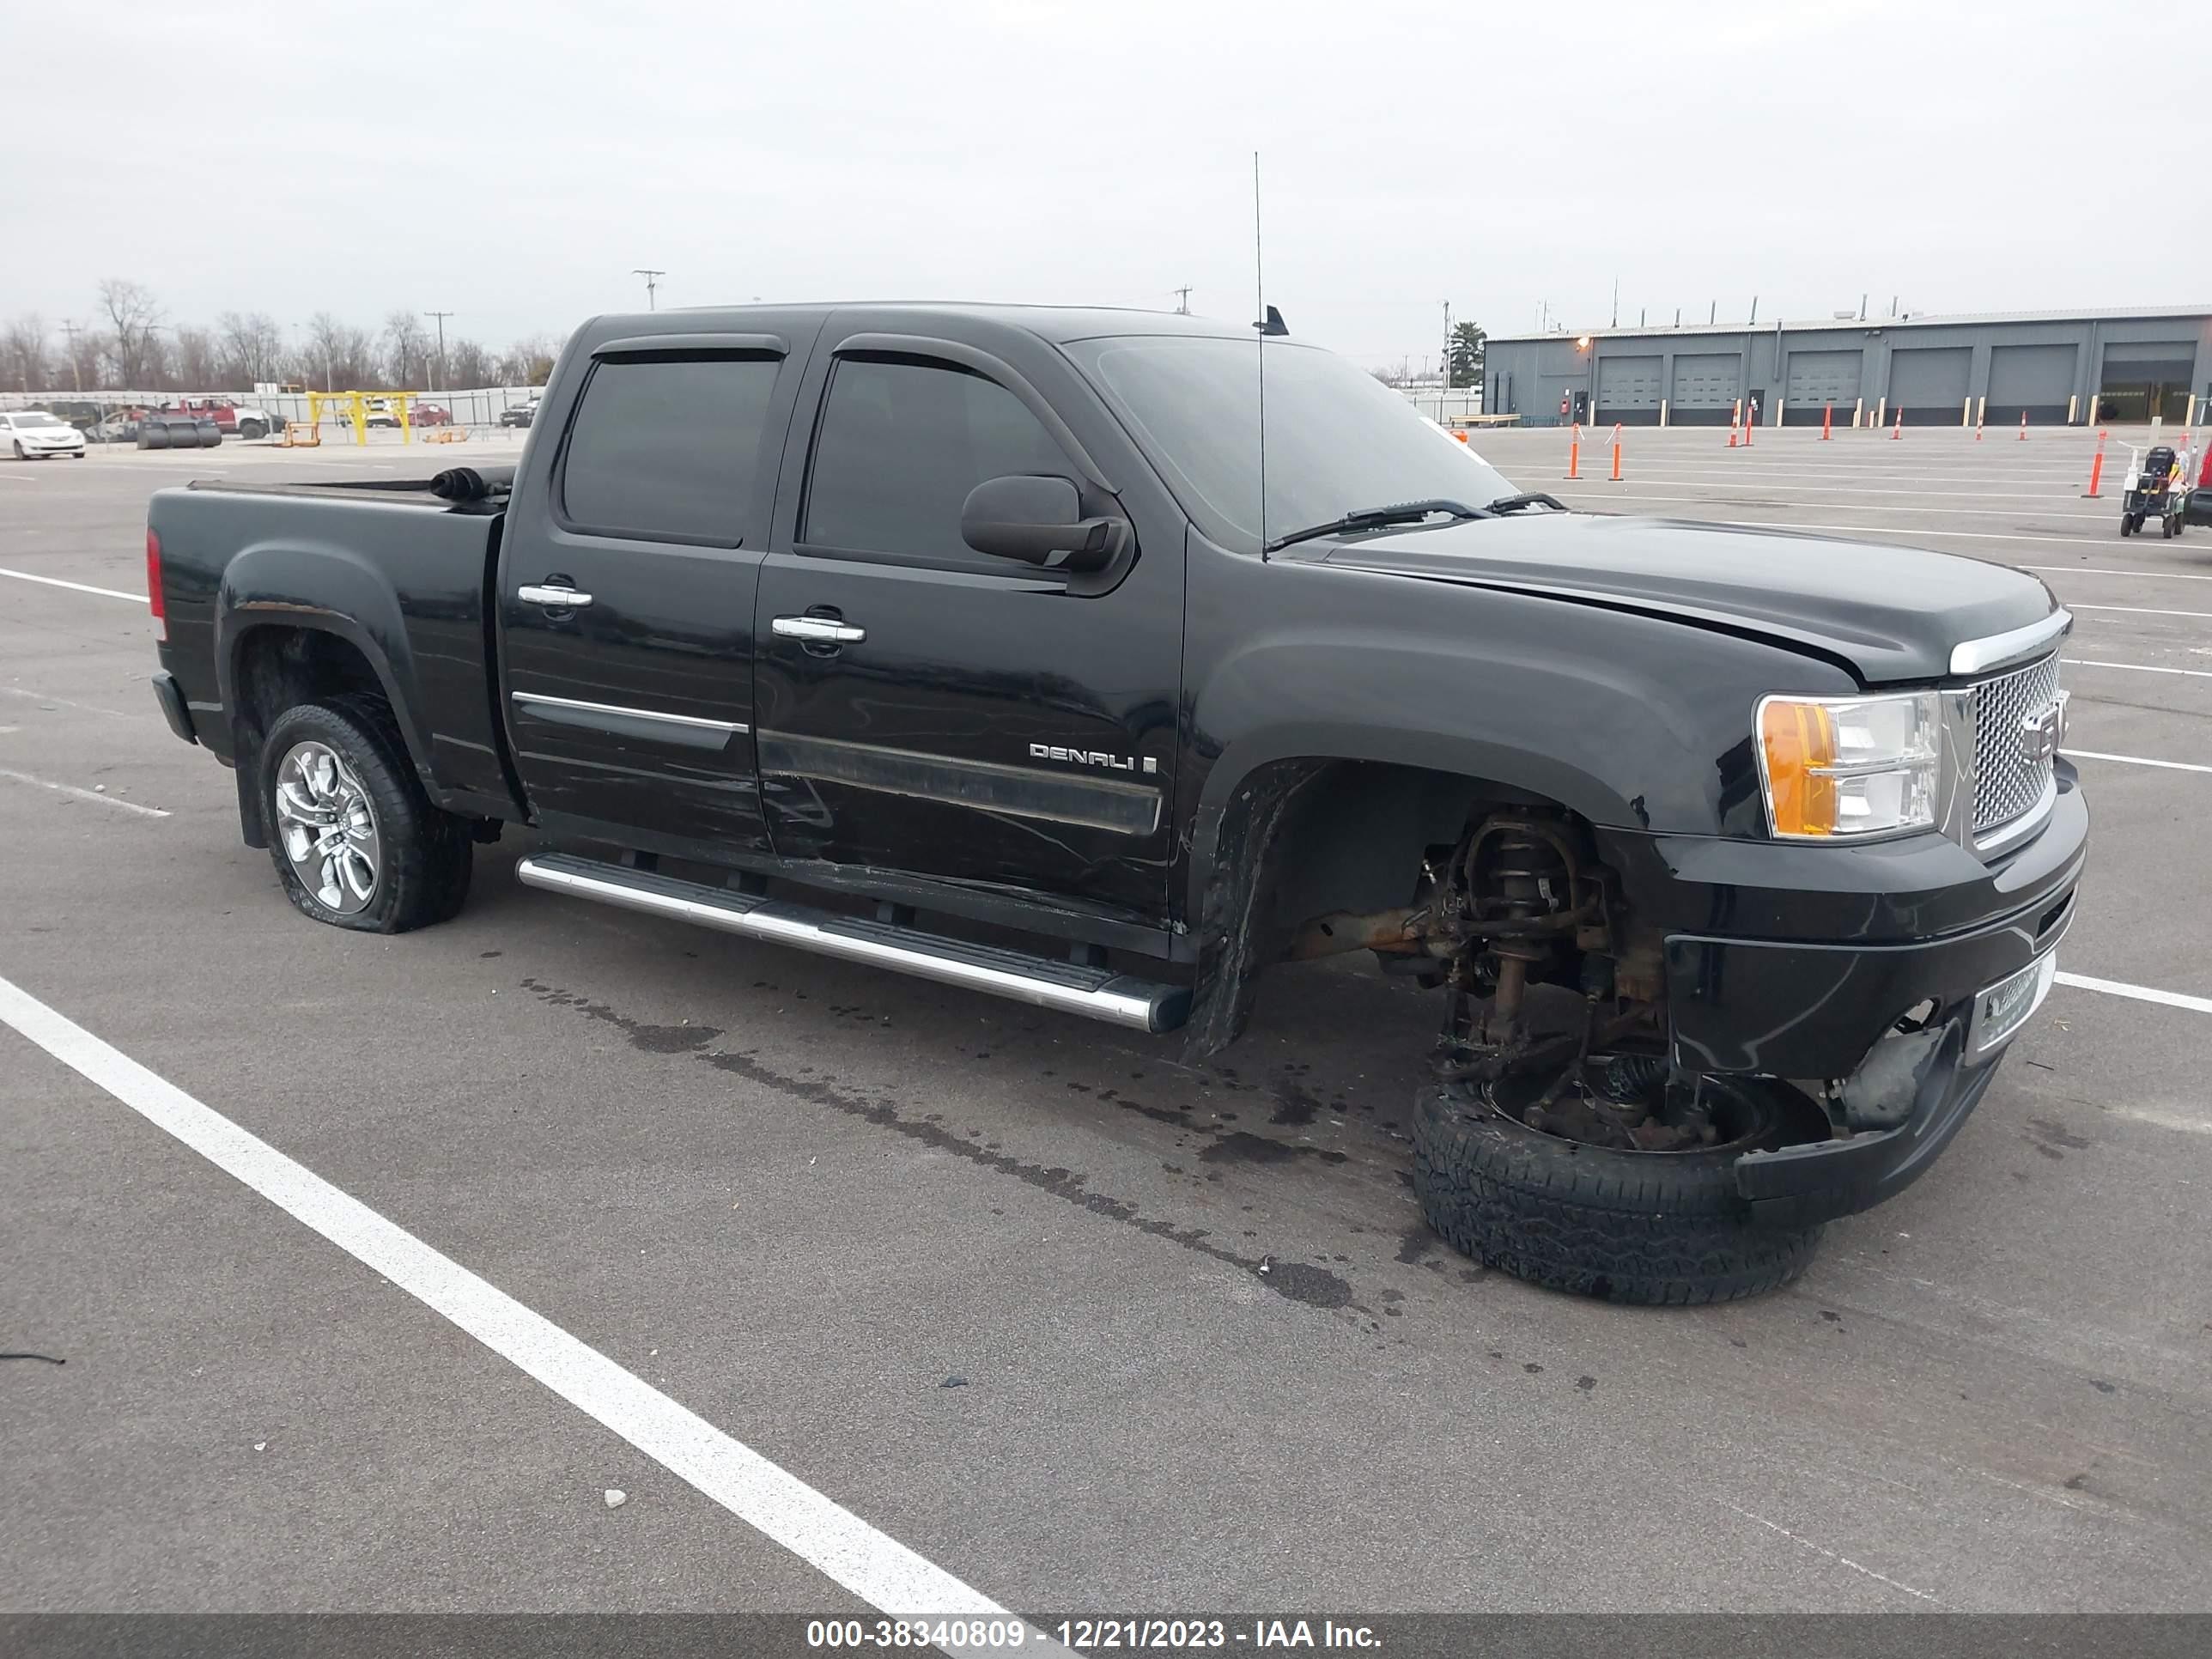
pixel 38 419
pixel 1338 439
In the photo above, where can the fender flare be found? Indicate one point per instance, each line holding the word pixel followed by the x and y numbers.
pixel 261 588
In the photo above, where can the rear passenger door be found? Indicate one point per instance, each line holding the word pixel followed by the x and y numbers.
pixel 928 709
pixel 626 594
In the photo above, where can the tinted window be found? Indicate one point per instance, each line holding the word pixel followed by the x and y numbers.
pixel 666 447
pixel 1338 439
pixel 901 444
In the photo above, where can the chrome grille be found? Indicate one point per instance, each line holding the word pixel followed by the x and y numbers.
pixel 2006 781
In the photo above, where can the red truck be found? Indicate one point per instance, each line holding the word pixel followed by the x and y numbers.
pixel 229 418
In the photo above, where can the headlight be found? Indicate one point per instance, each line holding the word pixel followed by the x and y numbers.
pixel 1850 766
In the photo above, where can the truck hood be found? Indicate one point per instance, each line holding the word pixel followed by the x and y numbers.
pixel 1891 613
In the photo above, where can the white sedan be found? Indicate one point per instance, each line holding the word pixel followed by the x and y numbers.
pixel 34 434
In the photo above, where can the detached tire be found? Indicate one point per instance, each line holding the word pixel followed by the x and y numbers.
pixel 1659 1228
pixel 355 840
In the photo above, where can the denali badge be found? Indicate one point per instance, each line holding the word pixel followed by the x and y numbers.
pixel 2041 733
pixel 1093 757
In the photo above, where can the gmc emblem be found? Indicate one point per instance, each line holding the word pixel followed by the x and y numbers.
pixel 2041 733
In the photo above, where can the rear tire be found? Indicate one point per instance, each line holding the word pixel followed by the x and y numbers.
pixel 1659 1228
pixel 406 866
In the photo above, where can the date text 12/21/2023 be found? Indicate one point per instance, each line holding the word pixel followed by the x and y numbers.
pixel 1089 1635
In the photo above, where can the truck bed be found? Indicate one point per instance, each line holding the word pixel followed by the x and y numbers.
pixel 387 565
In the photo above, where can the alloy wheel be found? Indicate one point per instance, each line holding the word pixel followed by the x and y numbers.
pixel 329 827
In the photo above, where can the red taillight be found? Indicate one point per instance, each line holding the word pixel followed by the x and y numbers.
pixel 154 584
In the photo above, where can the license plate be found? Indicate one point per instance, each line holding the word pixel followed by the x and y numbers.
pixel 2001 1009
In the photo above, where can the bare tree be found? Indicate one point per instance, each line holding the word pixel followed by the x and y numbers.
pixel 407 350
pixel 469 364
pixel 23 353
pixel 135 315
pixel 198 366
pixel 253 342
pixel 529 363
pixel 81 362
pixel 340 356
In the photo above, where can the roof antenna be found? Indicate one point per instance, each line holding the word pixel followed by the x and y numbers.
pixel 1260 287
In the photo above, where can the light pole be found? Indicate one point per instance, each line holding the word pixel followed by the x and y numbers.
pixel 441 316
pixel 76 363
pixel 652 282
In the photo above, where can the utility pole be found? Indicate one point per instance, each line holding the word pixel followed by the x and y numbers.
pixel 1182 299
pixel 652 282
pixel 441 316
pixel 1616 302
pixel 77 365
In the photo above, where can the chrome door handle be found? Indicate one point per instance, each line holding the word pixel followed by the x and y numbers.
pixel 823 630
pixel 565 596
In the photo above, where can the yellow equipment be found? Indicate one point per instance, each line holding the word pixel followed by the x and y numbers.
pixel 355 406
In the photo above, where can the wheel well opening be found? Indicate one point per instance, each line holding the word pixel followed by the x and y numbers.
pixel 278 667
pixel 1306 841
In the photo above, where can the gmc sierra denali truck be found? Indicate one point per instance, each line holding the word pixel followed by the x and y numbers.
pixel 1732 859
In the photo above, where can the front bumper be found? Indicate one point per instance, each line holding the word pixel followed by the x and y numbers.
pixel 1847 946
pixel 1802 1186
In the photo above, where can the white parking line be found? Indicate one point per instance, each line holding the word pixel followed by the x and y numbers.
pixel 92 795
pixel 2136 667
pixel 1885 530
pixel 2144 610
pixel 74 587
pixel 29 696
pixel 2113 988
pixel 2088 570
pixel 871 1565
pixel 2136 760
pixel 1712 498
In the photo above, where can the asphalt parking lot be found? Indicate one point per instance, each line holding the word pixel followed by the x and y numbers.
pixel 1089 1330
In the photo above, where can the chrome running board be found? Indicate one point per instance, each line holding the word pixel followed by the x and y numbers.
pixel 1069 986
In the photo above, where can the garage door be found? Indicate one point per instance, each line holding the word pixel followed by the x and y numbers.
pixel 2146 378
pixel 2034 380
pixel 1706 386
pixel 1628 391
pixel 1928 384
pixel 1819 380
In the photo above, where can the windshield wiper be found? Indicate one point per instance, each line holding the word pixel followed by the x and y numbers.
pixel 1533 498
pixel 1376 518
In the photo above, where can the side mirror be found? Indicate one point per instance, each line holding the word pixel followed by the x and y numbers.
pixel 1032 519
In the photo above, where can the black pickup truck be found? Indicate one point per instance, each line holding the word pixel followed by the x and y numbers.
pixel 969 642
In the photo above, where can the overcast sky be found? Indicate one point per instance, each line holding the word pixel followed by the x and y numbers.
pixel 511 163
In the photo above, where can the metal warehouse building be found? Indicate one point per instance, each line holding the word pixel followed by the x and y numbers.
pixel 2114 366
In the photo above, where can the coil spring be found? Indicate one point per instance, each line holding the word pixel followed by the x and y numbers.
pixel 1521 879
